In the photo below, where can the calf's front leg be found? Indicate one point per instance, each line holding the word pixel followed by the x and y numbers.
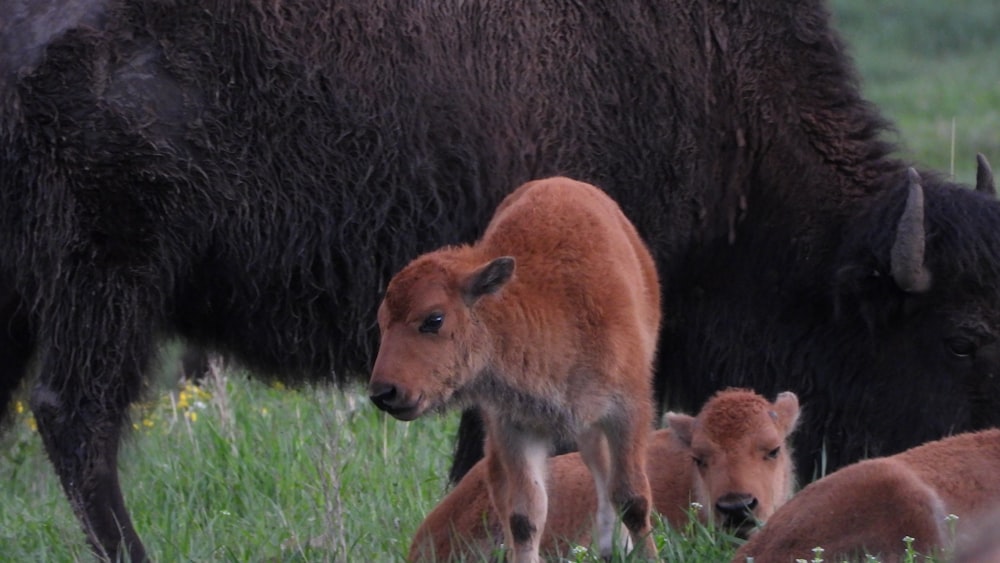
pixel 516 465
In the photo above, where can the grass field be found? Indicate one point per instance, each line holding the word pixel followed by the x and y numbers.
pixel 236 470
pixel 242 471
pixel 932 68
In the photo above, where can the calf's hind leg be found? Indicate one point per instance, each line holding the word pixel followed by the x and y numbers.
pixel 630 491
pixel 594 451
pixel 93 357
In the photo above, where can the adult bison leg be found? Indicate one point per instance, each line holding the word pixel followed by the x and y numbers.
pixel 98 341
pixel 468 444
pixel 194 363
pixel 16 345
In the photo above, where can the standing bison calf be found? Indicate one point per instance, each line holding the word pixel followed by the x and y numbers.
pixel 870 506
pixel 561 350
pixel 733 460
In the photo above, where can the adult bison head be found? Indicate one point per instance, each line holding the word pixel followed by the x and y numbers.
pixel 918 271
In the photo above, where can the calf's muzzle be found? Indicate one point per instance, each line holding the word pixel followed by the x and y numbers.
pixel 393 400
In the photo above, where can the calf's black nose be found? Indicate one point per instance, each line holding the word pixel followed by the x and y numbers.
pixel 384 395
pixel 380 389
pixel 394 399
pixel 736 507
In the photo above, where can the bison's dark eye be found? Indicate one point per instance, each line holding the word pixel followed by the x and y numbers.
pixel 961 347
pixel 773 454
pixel 700 462
pixel 432 324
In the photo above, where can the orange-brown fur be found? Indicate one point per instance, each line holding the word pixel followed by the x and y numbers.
pixel 561 347
pixel 734 432
pixel 868 507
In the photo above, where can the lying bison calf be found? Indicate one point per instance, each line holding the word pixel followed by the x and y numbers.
pixel 563 349
pixel 733 460
pixel 869 507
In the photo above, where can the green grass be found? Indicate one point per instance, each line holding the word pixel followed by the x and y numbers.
pixel 258 473
pixel 242 471
pixel 246 474
pixel 249 472
pixel 932 68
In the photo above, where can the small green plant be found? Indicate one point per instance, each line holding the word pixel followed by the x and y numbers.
pixel 910 555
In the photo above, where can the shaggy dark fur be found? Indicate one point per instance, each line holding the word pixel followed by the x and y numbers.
pixel 248 175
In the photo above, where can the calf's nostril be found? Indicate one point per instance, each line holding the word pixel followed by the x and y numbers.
pixel 382 394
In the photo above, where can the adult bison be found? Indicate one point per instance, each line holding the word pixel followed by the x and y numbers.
pixel 247 175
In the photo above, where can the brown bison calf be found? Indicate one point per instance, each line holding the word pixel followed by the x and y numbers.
pixel 869 507
pixel 733 460
pixel 563 348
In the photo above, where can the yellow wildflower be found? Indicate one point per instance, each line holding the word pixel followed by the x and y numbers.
pixel 200 393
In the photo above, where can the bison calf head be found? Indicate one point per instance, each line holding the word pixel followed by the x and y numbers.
pixel 434 341
pixel 739 445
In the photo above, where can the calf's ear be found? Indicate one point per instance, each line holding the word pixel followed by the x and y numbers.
pixel 681 425
pixel 488 279
pixel 786 411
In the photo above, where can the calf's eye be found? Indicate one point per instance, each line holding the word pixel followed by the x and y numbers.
pixel 773 454
pixel 432 323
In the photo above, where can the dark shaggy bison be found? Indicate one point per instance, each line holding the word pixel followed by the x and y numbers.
pixel 247 176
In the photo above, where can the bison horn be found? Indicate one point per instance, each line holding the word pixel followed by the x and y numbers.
pixel 984 177
pixel 907 258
